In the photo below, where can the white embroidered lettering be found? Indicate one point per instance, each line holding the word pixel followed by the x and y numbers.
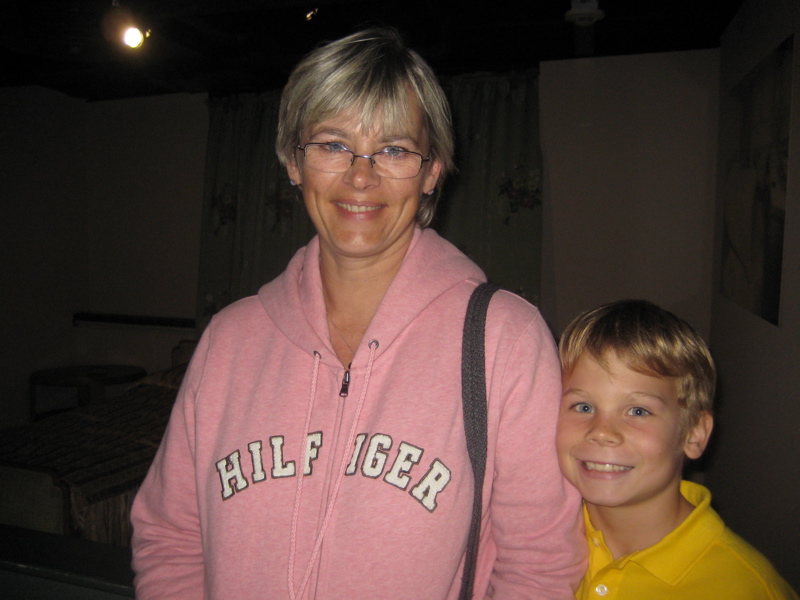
pixel 407 457
pixel 435 480
pixel 228 473
pixel 258 465
pixel 279 468
pixel 351 468
pixel 313 444
pixel 370 455
pixel 374 460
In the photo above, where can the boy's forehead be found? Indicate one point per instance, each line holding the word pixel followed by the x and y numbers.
pixel 610 371
pixel 585 359
pixel 610 360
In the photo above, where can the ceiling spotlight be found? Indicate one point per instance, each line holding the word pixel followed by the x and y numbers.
pixel 121 27
pixel 311 14
pixel 133 37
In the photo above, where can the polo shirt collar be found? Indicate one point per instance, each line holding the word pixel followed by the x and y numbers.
pixel 697 532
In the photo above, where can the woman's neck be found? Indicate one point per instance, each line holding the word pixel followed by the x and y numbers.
pixel 353 290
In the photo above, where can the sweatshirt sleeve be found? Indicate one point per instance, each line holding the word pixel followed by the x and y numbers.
pixel 166 544
pixel 539 550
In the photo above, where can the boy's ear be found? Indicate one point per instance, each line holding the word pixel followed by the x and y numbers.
pixel 698 435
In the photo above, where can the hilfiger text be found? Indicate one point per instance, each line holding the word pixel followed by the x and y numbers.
pixel 373 456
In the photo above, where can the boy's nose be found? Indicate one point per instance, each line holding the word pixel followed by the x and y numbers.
pixel 603 431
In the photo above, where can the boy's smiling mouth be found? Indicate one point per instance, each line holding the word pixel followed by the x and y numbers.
pixel 604 467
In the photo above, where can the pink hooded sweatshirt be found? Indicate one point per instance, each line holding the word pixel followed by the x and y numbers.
pixel 277 478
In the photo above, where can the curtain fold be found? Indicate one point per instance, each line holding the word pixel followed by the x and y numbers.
pixel 492 207
pixel 253 221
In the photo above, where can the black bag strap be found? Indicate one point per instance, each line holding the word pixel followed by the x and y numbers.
pixel 473 385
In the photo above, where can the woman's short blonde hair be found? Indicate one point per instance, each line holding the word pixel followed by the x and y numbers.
pixel 650 340
pixel 370 71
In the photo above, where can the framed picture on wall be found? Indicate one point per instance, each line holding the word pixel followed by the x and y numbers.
pixel 754 181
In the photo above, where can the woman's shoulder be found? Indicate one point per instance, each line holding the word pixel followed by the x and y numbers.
pixel 245 312
pixel 516 325
pixel 507 306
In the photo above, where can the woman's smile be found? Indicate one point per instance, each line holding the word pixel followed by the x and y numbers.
pixel 356 208
pixel 357 212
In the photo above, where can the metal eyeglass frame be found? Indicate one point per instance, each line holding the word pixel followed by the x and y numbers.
pixel 371 158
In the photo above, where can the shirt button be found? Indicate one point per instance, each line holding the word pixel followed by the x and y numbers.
pixel 601 590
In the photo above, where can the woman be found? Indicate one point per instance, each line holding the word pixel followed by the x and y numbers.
pixel 317 448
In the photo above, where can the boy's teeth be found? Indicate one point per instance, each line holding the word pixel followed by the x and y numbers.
pixel 608 468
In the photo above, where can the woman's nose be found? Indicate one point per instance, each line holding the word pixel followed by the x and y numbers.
pixel 361 172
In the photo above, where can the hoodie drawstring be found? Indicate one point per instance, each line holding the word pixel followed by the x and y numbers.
pixel 301 476
pixel 373 347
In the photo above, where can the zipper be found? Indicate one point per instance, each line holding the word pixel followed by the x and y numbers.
pixel 345 383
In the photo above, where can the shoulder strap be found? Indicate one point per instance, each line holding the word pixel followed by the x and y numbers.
pixel 473 385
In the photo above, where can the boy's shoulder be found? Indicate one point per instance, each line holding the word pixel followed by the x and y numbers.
pixel 701 559
pixel 710 552
pixel 751 574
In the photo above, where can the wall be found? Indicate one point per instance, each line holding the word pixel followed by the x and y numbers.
pixel 629 160
pixel 101 212
pixel 752 469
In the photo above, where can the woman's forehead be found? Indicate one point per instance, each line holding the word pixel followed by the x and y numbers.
pixel 378 123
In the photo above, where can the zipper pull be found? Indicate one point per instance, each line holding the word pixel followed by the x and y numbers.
pixel 345 383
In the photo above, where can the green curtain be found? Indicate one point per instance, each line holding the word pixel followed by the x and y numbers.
pixel 491 209
pixel 253 221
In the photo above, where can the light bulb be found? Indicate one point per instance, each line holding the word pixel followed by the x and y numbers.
pixel 133 37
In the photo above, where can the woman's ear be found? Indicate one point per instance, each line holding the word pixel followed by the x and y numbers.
pixel 293 170
pixel 698 436
pixel 432 176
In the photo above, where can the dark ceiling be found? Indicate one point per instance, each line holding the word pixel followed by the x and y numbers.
pixel 229 46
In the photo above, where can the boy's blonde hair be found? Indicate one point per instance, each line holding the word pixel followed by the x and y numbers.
pixel 652 341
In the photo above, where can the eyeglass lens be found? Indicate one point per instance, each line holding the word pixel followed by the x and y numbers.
pixel 395 165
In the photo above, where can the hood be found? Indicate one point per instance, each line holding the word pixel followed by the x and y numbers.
pixel 295 303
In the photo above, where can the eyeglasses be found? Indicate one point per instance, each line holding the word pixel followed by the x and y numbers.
pixel 390 162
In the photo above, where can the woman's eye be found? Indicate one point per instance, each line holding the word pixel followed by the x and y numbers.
pixel 334 147
pixel 638 411
pixel 394 151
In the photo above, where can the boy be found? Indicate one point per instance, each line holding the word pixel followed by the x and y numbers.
pixel 638 384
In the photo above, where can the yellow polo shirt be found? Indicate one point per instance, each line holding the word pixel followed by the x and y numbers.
pixel 700 560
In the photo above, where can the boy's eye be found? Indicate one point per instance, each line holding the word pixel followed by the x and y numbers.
pixel 638 411
pixel 582 407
